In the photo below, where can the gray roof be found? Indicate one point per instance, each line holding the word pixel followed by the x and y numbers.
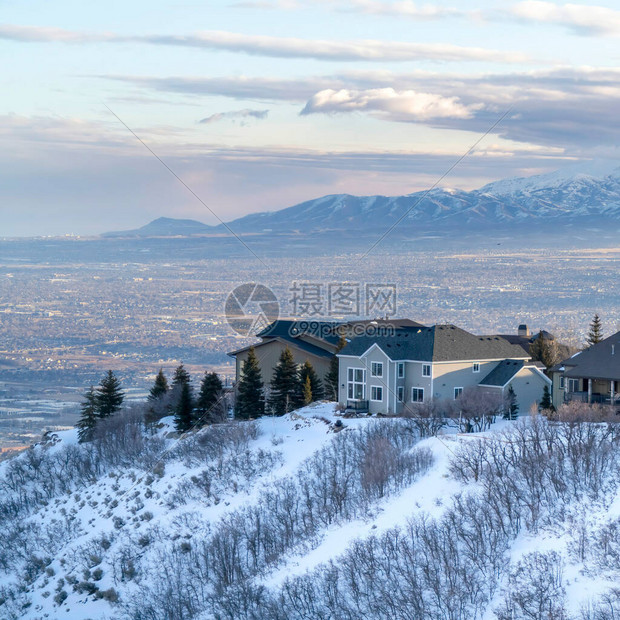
pixel 291 342
pixel 600 361
pixel 440 343
pixel 503 373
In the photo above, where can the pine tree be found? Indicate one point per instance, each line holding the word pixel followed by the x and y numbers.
pixel 88 419
pixel 209 406
pixel 181 376
pixel 250 400
pixel 513 405
pixel 545 403
pixel 544 350
pixel 109 396
pixel 307 373
pixel 184 411
pixel 160 387
pixel 595 335
pixel 307 391
pixel 332 378
pixel 285 390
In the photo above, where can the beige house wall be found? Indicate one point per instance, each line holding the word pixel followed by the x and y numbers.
pixel 268 355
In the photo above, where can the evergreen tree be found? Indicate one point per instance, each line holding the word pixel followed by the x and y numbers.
pixel 181 376
pixel 109 396
pixel 184 411
pixel 209 406
pixel 307 391
pixel 331 378
pixel 595 335
pixel 160 387
pixel 88 419
pixel 545 403
pixel 513 405
pixel 285 390
pixel 307 373
pixel 250 400
pixel 544 350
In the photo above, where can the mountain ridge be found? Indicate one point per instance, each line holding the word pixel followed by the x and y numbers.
pixel 580 193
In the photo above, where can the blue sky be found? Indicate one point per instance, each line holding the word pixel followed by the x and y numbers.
pixel 259 105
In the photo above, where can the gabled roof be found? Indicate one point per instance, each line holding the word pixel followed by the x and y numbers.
pixel 600 361
pixel 297 343
pixel 440 343
pixel 503 373
pixel 293 329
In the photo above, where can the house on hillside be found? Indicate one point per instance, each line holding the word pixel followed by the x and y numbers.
pixel 315 341
pixel 591 376
pixel 380 374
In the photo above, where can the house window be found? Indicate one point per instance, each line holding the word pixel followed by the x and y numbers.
pixel 457 392
pixel 476 367
pixel 401 393
pixel 561 383
pixel 376 369
pixel 401 370
pixel 573 385
pixel 356 384
pixel 376 393
pixel 417 395
pixel 426 370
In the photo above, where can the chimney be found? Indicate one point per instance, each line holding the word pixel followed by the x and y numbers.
pixel 523 330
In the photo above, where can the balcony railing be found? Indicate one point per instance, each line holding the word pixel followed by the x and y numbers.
pixel 595 398
pixel 358 406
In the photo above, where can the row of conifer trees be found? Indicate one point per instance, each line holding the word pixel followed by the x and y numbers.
pixel 290 388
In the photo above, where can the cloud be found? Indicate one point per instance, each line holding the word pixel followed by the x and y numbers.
pixel 404 8
pixel 280 47
pixel 407 105
pixel 582 18
pixel 235 114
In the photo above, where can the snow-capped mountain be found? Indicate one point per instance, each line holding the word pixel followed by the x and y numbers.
pixel 590 191
pixel 586 195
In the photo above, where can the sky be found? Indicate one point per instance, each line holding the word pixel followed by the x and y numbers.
pixel 261 104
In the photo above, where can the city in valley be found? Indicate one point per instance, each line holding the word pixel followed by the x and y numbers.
pixel 65 321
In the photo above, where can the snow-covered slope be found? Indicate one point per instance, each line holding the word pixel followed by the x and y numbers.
pixel 312 516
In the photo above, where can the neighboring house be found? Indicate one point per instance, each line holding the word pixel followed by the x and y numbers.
pixel 591 376
pixel 317 345
pixel 380 374
pixel 315 341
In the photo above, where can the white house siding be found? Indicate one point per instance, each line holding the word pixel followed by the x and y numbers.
pixel 528 385
pixel 414 378
pixel 450 375
pixel 386 382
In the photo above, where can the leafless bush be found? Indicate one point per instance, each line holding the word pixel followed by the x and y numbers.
pixel 429 417
pixel 535 589
pixel 476 409
pixel 577 411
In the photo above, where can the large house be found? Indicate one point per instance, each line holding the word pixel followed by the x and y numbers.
pixel 308 340
pixel 380 374
pixel 591 376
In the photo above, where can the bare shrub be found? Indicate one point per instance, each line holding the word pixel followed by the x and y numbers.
pixel 429 417
pixel 476 409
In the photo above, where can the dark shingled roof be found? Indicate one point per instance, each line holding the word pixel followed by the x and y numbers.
pixel 440 343
pixel 291 330
pixel 597 362
pixel 503 373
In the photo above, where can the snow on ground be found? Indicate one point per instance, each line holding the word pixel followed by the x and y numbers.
pixel 123 504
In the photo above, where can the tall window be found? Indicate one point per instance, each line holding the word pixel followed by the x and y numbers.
pixel 376 369
pixel 426 370
pixel 457 392
pixel 561 383
pixel 417 395
pixel 573 385
pixel 356 384
pixel 376 393
pixel 476 367
pixel 401 393
pixel 401 370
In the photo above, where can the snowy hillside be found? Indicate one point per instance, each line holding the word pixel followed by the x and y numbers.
pixel 314 516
